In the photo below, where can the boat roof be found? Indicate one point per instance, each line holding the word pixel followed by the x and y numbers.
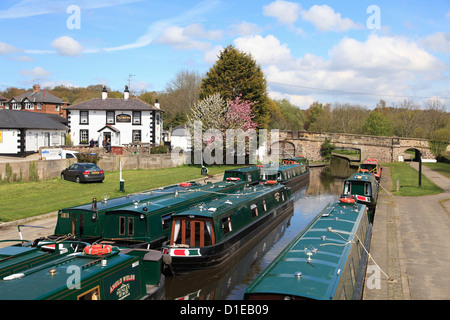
pixel 38 283
pixel 361 176
pixel 128 199
pixel 172 198
pixel 370 161
pixel 279 167
pixel 291 274
pixel 218 206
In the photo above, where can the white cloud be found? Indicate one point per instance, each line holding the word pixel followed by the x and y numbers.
pixel 6 48
pixel 379 66
pixel 182 38
pixel 437 42
pixel 36 72
pixel 67 46
pixel 286 12
pixel 325 18
pixel 212 54
pixel 22 58
pixel 265 51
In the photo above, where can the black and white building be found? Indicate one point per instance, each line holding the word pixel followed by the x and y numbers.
pixel 120 120
pixel 25 132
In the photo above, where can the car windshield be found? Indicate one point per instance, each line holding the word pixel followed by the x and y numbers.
pixel 90 166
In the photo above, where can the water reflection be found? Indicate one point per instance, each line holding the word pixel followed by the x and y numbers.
pixel 231 280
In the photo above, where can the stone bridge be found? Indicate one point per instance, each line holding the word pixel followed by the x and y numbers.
pixel 384 149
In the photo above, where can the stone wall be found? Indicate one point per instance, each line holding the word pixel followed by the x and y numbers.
pixel 385 149
pixel 48 169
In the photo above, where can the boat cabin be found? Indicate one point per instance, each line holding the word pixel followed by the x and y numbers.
pixel 147 224
pixel 109 274
pixel 86 221
pixel 371 166
pixel 248 174
pixel 326 261
pixel 208 234
pixel 364 187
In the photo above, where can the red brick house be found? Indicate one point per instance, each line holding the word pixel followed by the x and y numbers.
pixel 37 100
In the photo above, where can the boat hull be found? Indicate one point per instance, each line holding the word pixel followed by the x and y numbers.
pixel 216 255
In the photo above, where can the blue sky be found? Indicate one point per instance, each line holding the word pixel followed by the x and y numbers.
pixel 327 51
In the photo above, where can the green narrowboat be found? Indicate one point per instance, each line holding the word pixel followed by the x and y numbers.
pixel 24 254
pixel 371 166
pixel 326 261
pixel 147 224
pixel 106 274
pixel 364 186
pixel 85 222
pixel 293 174
pixel 207 236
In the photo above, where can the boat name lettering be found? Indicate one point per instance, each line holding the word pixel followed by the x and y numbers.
pixel 127 278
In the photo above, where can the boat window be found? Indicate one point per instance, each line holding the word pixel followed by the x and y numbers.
pixel 93 294
pixel 130 226
pixel 347 187
pixel 249 177
pixel 279 176
pixel 367 189
pixel 264 205
pixel 282 195
pixel 194 233
pixel 121 226
pixel 165 219
pixel 226 224
pixel 254 210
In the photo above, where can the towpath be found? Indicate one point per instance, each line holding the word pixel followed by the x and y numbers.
pixel 410 244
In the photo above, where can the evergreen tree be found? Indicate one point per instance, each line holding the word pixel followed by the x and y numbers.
pixel 235 74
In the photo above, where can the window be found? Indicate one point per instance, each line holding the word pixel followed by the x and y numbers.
pixel 15 106
pixel 136 135
pixel 264 205
pixel 136 117
pixel 121 226
pixel 226 225
pixel 130 226
pixel 110 117
pixel 254 210
pixel 29 106
pixel 84 136
pixel 39 106
pixel 57 108
pixel 165 219
pixel 367 189
pixel 84 117
pixel 93 294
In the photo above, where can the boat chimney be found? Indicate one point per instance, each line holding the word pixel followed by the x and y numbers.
pixel 157 104
pixel 104 93
pixel 94 203
pixel 126 93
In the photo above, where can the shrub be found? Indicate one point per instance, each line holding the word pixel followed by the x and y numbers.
pixel 88 158
pixel 158 149
pixel 326 149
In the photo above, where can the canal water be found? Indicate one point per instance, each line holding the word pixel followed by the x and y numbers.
pixel 230 281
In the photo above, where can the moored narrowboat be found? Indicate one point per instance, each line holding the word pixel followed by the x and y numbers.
pixel 371 166
pixel 207 236
pixel 85 222
pixel 147 224
pixel 364 186
pixel 104 273
pixel 327 260
pixel 25 254
pixel 293 174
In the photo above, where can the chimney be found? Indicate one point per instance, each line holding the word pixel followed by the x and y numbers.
pixel 157 104
pixel 104 93
pixel 126 93
pixel 36 88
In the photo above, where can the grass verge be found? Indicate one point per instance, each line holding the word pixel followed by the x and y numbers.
pixel 27 199
pixel 408 178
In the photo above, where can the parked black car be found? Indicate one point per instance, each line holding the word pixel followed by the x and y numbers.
pixel 83 172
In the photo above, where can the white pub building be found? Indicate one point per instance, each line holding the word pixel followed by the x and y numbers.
pixel 120 121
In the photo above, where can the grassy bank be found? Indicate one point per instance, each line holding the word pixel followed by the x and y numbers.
pixel 26 199
pixel 408 178
pixel 442 168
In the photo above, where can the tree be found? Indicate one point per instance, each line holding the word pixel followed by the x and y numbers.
pixel 377 124
pixel 326 149
pixel 234 74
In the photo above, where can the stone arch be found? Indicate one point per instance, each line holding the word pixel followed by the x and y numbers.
pixel 411 154
pixel 283 149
